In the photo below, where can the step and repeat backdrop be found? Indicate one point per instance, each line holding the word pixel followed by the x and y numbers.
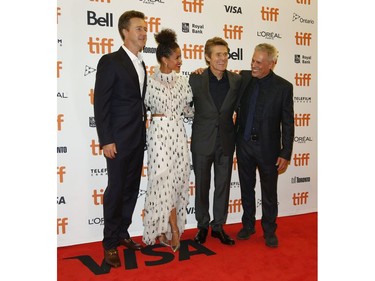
pixel 87 29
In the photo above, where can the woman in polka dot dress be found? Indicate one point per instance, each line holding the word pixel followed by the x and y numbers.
pixel 167 97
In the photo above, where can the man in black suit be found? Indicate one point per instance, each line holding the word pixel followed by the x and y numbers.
pixel 215 94
pixel 265 126
pixel 120 121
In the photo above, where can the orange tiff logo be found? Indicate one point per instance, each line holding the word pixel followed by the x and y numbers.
pixel 59 67
pixel 61 172
pixel 193 6
pixel 58 14
pixel 300 198
pixel 101 1
pixel 302 79
pixel 60 120
pixel 234 206
pixel 61 225
pixel 98 196
pixel 152 24
pixel 269 14
pixel 95 148
pixel 302 119
pixel 233 32
pixel 301 159
pixel 192 52
pixel 303 39
pixel 303 2
pixel 100 45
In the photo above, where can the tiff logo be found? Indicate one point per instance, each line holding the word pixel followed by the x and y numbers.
pixel 59 67
pixel 152 23
pixel 302 120
pixel 234 206
pixel 269 14
pixel 192 52
pixel 101 46
pixel 60 120
pixel 302 159
pixel 191 189
pixel 300 198
pixel 193 6
pixel 61 225
pixel 302 79
pixel 91 96
pixel 303 39
pixel 101 1
pixel 61 172
pixel 232 32
pixel 58 12
pixel 95 148
pixel 98 197
pixel 303 2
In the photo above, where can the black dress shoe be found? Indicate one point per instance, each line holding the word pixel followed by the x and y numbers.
pixel 271 241
pixel 245 233
pixel 130 244
pixel 111 257
pixel 201 236
pixel 224 238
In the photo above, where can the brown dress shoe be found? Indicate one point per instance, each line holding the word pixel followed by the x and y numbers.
pixel 111 257
pixel 130 244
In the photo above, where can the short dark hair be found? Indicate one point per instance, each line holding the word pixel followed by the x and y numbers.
pixel 215 41
pixel 124 20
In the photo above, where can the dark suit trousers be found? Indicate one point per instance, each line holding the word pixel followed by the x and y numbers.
pixel 222 175
pixel 120 196
pixel 249 158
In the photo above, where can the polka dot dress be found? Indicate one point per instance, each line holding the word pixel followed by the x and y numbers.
pixel 168 157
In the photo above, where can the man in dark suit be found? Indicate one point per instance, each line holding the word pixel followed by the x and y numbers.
pixel 215 94
pixel 120 121
pixel 265 125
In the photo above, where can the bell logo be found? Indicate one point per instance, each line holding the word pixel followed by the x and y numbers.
pixel 302 79
pixel 152 23
pixel 98 197
pixel 303 39
pixel 61 172
pixel 269 14
pixel 232 32
pixel 101 21
pixel 60 120
pixel 193 6
pixel 302 120
pixel 95 148
pixel 193 52
pixel 101 46
pixel 301 159
pixel 303 2
pixel 61 225
pixel 58 14
pixel 300 198
pixel 91 96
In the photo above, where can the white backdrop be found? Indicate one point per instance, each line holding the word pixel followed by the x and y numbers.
pixel 87 29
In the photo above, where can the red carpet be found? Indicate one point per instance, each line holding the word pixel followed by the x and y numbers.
pixel 294 260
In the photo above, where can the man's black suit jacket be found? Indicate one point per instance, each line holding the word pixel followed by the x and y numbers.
pixel 276 115
pixel 208 119
pixel 118 104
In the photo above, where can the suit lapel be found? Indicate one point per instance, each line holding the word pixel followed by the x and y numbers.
pixel 206 87
pixel 128 65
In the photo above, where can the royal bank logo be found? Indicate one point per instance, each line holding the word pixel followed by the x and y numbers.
pixel 195 28
pixel 302 59
pixel 298 18
pixel 92 123
pixel 269 35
